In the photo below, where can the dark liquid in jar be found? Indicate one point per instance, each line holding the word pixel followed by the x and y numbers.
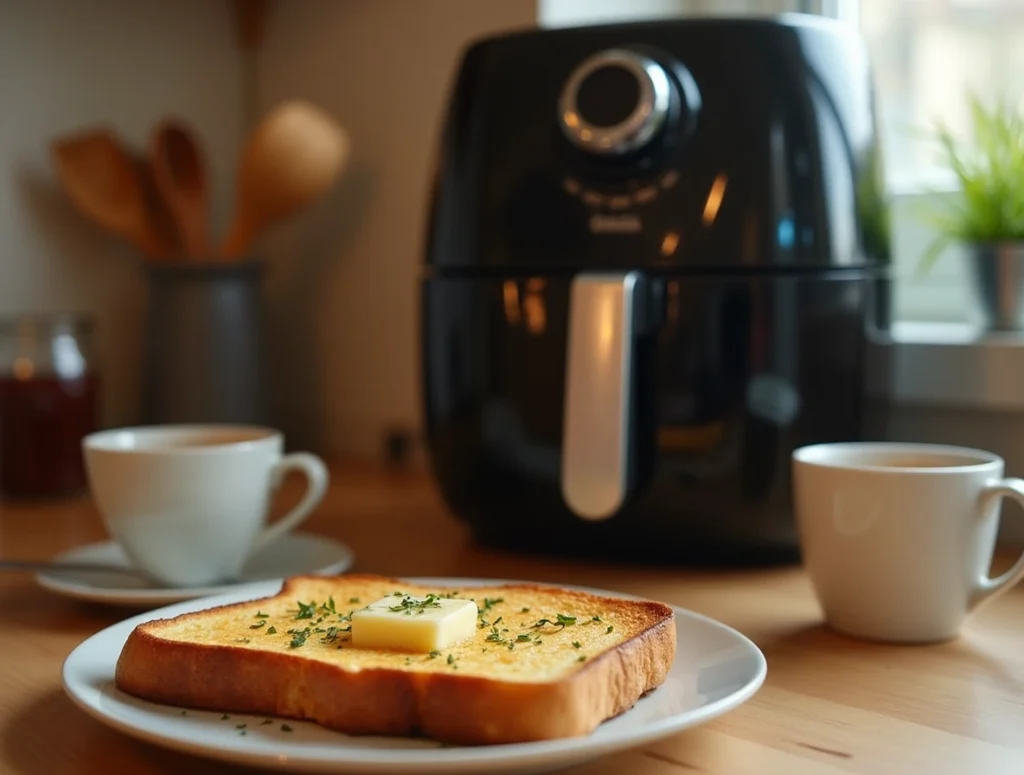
pixel 42 423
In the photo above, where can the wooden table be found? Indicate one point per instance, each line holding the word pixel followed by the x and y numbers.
pixel 829 705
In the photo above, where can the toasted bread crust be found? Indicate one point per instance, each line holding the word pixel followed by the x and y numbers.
pixel 449 707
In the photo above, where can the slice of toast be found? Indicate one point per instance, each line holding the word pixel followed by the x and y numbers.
pixel 544 662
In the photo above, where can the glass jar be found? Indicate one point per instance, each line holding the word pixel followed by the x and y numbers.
pixel 49 400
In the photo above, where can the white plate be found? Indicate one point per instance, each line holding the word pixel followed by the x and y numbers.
pixel 291 555
pixel 716 669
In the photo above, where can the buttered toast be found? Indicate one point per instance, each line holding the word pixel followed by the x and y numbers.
pixel 540 663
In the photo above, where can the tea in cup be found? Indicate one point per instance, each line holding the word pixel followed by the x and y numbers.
pixel 897 538
pixel 189 504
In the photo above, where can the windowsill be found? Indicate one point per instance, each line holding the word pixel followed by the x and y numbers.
pixel 935 357
pixel 956 365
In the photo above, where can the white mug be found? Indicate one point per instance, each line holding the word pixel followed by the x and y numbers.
pixel 189 503
pixel 897 538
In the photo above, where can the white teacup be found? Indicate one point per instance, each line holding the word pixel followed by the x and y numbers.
pixel 189 503
pixel 898 538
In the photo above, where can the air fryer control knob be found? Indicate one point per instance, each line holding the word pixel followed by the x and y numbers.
pixel 615 102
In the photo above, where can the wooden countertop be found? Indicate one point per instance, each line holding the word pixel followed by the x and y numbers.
pixel 829 705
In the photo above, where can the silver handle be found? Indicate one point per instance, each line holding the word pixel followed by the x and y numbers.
pixel 599 370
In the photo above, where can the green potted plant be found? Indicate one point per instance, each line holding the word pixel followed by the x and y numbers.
pixel 987 215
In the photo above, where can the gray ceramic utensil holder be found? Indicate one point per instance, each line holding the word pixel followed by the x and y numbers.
pixel 204 356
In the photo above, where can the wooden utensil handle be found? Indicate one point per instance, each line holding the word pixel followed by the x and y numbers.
pixel 236 243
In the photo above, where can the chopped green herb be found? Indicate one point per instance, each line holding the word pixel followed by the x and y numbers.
pixel 241 640
pixel 299 639
pixel 410 604
pixel 408 660
pixel 511 645
pixel 239 726
pixel 271 630
pixel 489 603
pixel 610 628
pixel 561 620
pixel 595 618
pixel 524 610
pixel 353 600
pixel 285 728
pixel 225 717
pixel 523 636
pixel 306 611
pixel 498 620
pixel 582 658
pixel 434 655
pixel 451 661
pixel 576 644
pixel 257 625
pixel 261 615
pixel 329 605
pixel 266 721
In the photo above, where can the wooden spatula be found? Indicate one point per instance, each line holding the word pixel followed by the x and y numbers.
pixel 293 156
pixel 102 180
pixel 179 171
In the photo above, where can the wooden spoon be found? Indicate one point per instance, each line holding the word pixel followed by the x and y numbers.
pixel 165 226
pixel 102 180
pixel 293 156
pixel 179 172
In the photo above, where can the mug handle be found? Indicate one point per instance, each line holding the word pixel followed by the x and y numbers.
pixel 986 588
pixel 317 477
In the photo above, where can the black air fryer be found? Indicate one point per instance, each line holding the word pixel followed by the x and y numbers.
pixel 657 253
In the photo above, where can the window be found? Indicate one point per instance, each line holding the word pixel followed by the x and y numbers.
pixel 927 55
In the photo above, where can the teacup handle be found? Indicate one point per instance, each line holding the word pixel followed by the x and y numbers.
pixel 986 588
pixel 316 476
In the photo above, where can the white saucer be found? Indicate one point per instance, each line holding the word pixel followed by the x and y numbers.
pixel 292 554
pixel 716 669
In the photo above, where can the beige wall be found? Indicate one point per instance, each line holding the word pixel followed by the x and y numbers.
pixel 65 64
pixel 344 276
pixel 342 285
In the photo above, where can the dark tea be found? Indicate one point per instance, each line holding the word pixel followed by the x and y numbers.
pixel 42 422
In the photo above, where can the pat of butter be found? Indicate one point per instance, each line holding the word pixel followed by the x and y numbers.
pixel 411 623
